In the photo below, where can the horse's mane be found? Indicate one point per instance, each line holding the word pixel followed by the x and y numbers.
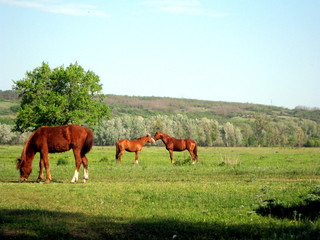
pixel 24 152
pixel 141 137
pixel 165 135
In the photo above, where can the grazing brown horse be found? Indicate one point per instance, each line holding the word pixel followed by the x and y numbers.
pixel 173 144
pixel 56 139
pixel 132 146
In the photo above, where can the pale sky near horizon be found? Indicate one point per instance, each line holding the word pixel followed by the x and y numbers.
pixel 264 52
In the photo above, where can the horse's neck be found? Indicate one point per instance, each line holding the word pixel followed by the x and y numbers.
pixel 165 139
pixel 29 155
pixel 26 157
pixel 28 150
pixel 142 140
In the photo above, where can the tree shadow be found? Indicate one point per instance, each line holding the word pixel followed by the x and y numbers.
pixel 43 224
pixel 308 209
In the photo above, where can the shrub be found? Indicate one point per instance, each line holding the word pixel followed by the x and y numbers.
pixel 62 161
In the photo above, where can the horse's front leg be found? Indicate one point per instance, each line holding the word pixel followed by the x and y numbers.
pixel 41 165
pixel 78 159
pixel 171 155
pixel 136 159
pixel 45 161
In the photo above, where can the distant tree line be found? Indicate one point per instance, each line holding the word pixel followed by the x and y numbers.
pixel 9 137
pixel 206 132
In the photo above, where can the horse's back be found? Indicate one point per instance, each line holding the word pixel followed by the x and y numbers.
pixel 128 145
pixel 177 144
pixel 183 144
pixel 62 138
pixel 191 144
pixel 122 143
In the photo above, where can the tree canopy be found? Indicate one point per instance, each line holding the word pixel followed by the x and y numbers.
pixel 59 96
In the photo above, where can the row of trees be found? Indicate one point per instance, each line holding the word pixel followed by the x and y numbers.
pixel 7 136
pixel 208 132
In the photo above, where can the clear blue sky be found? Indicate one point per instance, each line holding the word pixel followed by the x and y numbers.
pixel 265 52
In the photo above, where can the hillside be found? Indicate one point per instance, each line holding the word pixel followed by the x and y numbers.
pixel 221 111
pixel 151 106
pixel 207 122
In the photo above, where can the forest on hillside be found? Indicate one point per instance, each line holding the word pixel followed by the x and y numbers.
pixel 207 122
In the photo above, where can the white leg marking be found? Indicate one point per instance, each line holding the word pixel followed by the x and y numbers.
pixel 75 176
pixel 85 175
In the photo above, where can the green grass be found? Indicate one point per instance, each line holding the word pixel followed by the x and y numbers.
pixel 234 193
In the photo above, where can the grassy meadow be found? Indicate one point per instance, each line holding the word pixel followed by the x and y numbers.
pixel 233 193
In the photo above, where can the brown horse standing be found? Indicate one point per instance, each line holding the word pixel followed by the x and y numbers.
pixel 173 144
pixel 132 146
pixel 56 139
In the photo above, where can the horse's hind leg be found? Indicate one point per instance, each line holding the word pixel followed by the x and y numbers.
pixel 85 169
pixel 120 156
pixel 78 159
pixel 192 155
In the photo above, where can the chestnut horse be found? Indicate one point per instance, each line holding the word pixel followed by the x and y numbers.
pixel 56 139
pixel 132 146
pixel 173 144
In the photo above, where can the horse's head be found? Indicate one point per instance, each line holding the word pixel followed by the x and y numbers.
pixel 24 170
pixel 157 136
pixel 150 139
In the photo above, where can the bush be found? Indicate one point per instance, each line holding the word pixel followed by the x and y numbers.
pixel 62 161
pixel 313 143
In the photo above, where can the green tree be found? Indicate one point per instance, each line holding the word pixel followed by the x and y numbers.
pixel 260 124
pixel 300 137
pixel 59 96
pixel 228 135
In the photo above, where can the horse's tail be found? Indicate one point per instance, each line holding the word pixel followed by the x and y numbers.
pixel 88 143
pixel 23 157
pixel 195 151
pixel 117 151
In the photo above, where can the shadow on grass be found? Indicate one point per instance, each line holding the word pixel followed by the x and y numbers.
pixel 31 181
pixel 307 209
pixel 41 224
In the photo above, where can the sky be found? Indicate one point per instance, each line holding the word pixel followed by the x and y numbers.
pixel 259 51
